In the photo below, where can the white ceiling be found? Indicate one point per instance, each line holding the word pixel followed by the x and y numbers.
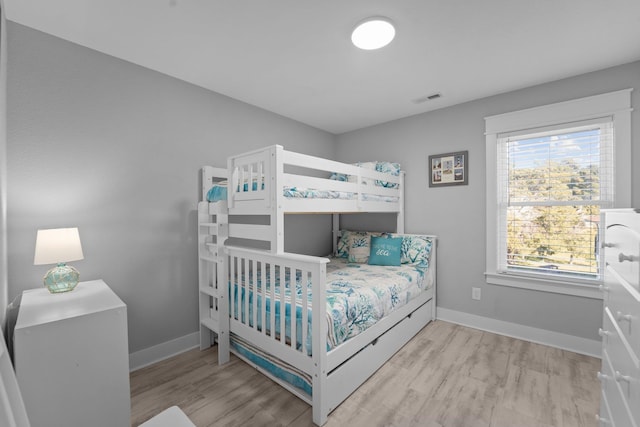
pixel 294 57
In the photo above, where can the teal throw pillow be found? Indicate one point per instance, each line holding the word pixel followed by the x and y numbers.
pixel 385 251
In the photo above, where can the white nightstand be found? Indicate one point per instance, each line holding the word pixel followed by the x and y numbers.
pixel 71 357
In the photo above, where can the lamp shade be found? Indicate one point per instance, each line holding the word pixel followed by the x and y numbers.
pixel 57 245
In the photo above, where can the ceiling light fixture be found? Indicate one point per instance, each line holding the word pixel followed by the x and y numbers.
pixel 373 33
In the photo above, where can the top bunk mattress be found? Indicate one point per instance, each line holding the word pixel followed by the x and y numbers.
pixel 219 192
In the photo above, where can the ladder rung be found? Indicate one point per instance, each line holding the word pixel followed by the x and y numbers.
pixel 209 291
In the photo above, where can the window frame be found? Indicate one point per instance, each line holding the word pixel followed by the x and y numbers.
pixel 617 105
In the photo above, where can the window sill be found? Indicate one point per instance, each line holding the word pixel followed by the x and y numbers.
pixel 544 285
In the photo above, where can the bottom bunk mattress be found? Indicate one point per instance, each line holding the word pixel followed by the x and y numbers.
pixel 358 295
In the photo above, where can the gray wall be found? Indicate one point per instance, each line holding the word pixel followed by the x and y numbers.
pixel 457 214
pixel 3 164
pixel 115 149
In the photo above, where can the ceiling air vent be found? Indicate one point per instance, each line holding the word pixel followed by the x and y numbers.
pixel 427 98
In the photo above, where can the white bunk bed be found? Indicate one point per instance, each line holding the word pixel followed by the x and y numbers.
pixel 243 291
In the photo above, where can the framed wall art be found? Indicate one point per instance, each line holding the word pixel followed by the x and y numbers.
pixel 449 169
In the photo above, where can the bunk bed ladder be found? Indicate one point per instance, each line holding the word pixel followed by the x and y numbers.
pixel 213 307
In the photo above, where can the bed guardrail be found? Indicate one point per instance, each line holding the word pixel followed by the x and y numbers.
pixel 276 300
pixel 252 175
pixel 209 176
pixel 259 177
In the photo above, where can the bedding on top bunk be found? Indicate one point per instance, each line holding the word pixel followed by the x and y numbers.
pixel 311 193
pixel 385 167
pixel 219 190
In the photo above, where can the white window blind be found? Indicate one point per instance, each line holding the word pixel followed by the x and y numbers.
pixel 551 184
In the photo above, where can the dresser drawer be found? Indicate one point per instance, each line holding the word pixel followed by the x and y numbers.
pixel 623 301
pixel 622 252
pixel 618 406
pixel 625 364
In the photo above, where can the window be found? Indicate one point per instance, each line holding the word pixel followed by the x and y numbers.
pixel 551 187
pixel 551 170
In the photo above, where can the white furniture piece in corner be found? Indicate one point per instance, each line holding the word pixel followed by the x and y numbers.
pixel 12 410
pixel 14 414
pixel 170 417
pixel 71 357
pixel 620 374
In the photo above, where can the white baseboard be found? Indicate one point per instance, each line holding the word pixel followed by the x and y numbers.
pixel 162 351
pixel 539 336
pixel 593 348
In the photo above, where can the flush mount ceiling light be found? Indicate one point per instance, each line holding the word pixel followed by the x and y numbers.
pixel 373 33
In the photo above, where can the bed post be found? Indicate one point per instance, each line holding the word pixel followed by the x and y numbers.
pixel 335 232
pixel 222 225
pixel 204 185
pixel 400 215
pixel 434 262
pixel 277 213
pixel 205 271
pixel 319 345
pixel 232 185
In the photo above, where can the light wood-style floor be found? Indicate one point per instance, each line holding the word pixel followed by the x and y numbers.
pixel 447 376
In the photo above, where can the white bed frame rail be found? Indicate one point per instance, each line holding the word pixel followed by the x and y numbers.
pixel 257 180
pixel 265 170
pixel 209 175
pixel 248 273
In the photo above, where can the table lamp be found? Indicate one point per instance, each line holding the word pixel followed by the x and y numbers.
pixel 58 246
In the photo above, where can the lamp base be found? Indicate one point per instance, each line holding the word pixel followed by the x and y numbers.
pixel 61 278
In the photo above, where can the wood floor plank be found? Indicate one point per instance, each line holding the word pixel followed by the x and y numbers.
pixel 527 392
pixel 447 376
pixel 505 417
pixel 530 355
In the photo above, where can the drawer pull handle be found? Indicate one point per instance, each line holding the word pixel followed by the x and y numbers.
pixel 602 421
pixel 620 317
pixel 622 257
pixel 608 245
pixel 620 377
pixel 603 333
pixel 602 377
pixel 603 288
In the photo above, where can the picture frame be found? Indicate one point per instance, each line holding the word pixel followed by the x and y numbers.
pixel 449 169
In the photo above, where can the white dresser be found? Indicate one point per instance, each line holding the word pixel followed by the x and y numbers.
pixel 620 374
pixel 71 357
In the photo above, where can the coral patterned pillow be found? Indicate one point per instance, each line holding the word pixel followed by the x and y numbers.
pixel 359 246
pixel 416 249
